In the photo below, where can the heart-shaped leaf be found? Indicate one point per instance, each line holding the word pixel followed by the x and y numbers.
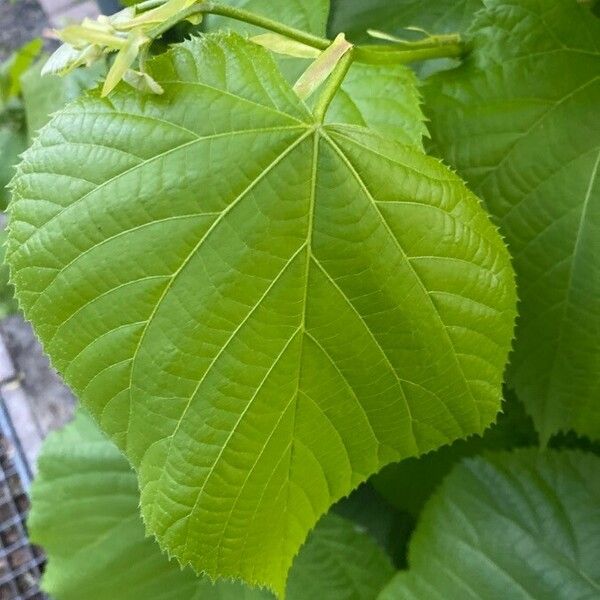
pixel 262 310
pixel 511 525
pixel 519 120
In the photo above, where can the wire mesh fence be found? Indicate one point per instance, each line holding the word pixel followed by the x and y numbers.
pixel 21 563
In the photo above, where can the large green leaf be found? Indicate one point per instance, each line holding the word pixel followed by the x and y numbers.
pixel 436 16
pixel 85 514
pixel 262 310
pixel 305 15
pixel 520 122
pixel 522 525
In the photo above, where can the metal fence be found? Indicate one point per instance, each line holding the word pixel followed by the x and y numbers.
pixel 21 563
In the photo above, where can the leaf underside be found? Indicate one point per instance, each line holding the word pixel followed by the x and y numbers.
pixel 262 311
pixel 519 120
pixel 85 497
pixel 516 525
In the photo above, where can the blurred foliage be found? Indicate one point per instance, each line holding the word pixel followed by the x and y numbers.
pixel 8 304
pixel 26 102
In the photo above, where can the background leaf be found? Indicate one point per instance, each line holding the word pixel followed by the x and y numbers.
pixel 85 514
pixel 354 17
pixel 8 304
pixel 306 15
pixel 511 525
pixel 389 527
pixel 519 120
pixel 261 310
pixel 13 141
pixel 12 69
pixel 339 561
pixel 44 95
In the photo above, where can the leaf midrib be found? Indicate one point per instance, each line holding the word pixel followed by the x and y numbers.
pixel 586 203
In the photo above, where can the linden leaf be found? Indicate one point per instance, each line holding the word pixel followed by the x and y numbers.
pixel 262 310
pixel 510 525
pixel 519 120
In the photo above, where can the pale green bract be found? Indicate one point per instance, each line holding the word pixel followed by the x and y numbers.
pixel 85 514
pixel 260 309
pixel 520 122
pixel 523 525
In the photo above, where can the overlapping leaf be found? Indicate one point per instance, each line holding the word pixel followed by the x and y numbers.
pixel 520 122
pixel 521 525
pixel 261 310
pixel 383 98
pixel 85 514
pixel 355 17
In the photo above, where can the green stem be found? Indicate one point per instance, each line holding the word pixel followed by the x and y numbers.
pixel 332 85
pixel 410 52
pixel 437 46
